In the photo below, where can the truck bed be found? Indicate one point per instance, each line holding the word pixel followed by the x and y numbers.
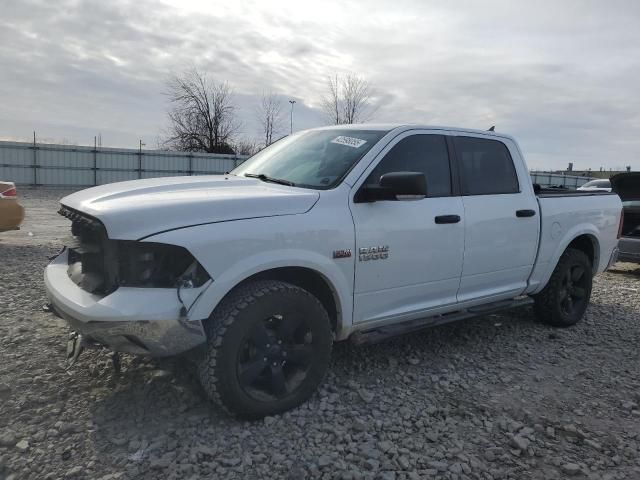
pixel 542 192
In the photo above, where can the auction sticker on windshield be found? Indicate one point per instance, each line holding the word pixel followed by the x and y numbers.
pixel 349 141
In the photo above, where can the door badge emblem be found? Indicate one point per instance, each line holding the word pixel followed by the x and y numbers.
pixel 373 253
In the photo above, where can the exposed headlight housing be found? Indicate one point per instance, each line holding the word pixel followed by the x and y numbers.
pixel 148 264
pixel 100 265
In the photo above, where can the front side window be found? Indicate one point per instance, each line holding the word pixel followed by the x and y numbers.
pixel 485 167
pixel 419 153
pixel 313 159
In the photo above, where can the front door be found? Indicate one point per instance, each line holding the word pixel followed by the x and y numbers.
pixel 408 252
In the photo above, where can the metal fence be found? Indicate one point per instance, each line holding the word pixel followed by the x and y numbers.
pixel 67 165
pixel 546 179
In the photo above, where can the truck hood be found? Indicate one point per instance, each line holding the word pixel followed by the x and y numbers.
pixel 626 185
pixel 139 208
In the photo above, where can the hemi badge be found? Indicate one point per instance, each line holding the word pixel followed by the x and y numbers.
pixel 342 253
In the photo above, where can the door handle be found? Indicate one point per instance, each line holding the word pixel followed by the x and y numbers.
pixel 447 219
pixel 525 213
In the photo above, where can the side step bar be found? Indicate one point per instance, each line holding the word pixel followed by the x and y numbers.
pixel 379 334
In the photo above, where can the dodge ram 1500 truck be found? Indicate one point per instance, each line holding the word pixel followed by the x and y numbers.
pixel 359 232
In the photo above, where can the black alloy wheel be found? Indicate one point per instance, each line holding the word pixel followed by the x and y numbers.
pixel 276 357
pixel 565 298
pixel 573 295
pixel 268 349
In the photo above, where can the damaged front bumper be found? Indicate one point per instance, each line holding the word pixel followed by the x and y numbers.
pixel 144 321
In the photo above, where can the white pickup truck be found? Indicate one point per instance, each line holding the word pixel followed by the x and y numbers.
pixel 359 232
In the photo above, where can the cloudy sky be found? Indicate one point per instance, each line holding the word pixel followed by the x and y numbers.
pixel 564 77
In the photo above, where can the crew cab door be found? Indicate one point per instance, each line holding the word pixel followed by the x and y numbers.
pixel 408 251
pixel 501 217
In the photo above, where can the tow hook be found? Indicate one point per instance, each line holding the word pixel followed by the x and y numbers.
pixel 75 345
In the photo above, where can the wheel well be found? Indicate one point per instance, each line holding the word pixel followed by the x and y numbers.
pixel 308 279
pixel 588 245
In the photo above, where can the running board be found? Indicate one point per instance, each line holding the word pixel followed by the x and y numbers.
pixel 382 333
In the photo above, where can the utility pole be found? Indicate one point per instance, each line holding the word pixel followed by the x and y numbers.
pixel 35 160
pixel 292 102
pixel 140 159
pixel 95 160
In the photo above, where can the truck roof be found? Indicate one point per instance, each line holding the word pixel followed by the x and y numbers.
pixel 400 127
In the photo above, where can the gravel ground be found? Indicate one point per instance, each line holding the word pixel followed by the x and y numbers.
pixel 500 397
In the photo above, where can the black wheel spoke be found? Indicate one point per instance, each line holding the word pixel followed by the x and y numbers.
pixel 287 327
pixel 260 335
pixel 576 273
pixel 252 371
pixel 300 354
pixel 578 292
pixel 568 304
pixel 278 381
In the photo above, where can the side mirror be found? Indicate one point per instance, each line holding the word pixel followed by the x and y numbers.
pixel 395 186
pixel 405 183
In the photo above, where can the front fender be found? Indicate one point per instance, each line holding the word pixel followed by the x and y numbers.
pixel 264 261
pixel 234 251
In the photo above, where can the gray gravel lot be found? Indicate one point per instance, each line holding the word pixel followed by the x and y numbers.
pixel 501 397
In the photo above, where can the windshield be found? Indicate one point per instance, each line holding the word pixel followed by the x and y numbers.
pixel 312 159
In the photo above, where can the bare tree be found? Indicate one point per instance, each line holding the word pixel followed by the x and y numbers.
pixel 246 147
pixel 348 100
pixel 202 116
pixel 271 117
pixel 331 103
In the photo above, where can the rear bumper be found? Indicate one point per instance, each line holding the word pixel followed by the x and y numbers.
pixel 133 320
pixel 629 249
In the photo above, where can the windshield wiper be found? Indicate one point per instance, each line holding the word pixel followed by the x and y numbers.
pixel 265 178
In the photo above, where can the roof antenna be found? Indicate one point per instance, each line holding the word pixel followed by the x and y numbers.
pixel 492 129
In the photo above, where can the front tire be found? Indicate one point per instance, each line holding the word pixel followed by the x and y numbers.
pixel 563 301
pixel 268 349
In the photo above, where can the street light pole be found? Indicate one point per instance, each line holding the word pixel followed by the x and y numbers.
pixel 292 102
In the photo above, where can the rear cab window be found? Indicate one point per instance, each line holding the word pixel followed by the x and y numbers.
pixel 486 167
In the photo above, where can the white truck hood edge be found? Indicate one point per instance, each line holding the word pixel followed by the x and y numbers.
pixel 136 209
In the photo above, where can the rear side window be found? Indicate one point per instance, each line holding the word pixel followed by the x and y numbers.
pixel 419 153
pixel 485 167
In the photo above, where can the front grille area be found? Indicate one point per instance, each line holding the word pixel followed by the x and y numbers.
pixel 92 256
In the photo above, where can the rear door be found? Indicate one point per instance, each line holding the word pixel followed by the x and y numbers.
pixel 501 218
pixel 408 252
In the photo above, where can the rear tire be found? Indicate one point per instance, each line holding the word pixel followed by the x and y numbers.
pixel 268 349
pixel 563 301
